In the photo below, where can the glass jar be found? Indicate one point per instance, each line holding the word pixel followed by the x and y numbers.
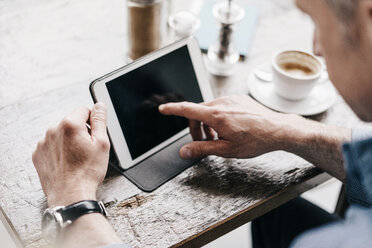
pixel 146 26
pixel 223 55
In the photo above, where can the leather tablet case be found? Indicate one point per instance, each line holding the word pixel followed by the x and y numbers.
pixel 154 171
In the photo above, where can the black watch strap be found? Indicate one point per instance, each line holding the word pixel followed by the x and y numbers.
pixel 76 210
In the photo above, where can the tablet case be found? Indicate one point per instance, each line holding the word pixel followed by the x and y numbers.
pixel 156 170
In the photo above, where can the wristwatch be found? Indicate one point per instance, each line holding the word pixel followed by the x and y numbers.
pixel 57 218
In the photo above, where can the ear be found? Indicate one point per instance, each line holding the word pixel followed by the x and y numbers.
pixel 364 14
pixel 317 46
pixel 365 8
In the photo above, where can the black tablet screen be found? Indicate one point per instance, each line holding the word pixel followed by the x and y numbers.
pixel 137 95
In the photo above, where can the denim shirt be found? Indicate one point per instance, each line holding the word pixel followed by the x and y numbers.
pixel 356 229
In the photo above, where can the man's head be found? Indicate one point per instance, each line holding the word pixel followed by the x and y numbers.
pixel 343 35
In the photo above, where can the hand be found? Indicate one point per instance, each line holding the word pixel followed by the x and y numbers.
pixel 71 163
pixel 239 127
pixel 244 127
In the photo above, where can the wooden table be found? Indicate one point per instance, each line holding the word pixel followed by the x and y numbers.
pixel 49 53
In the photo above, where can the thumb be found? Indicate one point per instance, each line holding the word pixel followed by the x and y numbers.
pixel 98 121
pixel 199 149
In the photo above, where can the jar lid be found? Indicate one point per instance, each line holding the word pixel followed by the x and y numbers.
pixel 184 22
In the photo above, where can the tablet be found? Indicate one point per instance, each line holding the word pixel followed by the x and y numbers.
pixel 133 93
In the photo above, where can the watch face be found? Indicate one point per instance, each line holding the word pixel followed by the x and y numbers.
pixel 50 225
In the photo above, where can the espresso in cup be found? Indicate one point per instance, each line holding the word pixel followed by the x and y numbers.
pixel 296 69
pixel 295 74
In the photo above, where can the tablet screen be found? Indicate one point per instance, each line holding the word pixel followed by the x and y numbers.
pixel 137 94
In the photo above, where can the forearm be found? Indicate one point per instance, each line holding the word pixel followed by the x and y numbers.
pixel 319 144
pixel 91 230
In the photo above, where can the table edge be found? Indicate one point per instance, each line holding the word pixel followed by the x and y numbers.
pixel 10 229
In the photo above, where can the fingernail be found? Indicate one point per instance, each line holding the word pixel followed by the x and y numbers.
pixel 186 153
pixel 161 107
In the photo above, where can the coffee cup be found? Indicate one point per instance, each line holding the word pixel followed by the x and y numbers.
pixel 295 73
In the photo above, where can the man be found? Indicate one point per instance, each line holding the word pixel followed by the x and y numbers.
pixel 71 163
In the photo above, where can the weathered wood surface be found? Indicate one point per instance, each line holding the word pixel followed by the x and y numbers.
pixel 51 50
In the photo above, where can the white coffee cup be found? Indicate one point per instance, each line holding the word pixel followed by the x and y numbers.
pixel 295 73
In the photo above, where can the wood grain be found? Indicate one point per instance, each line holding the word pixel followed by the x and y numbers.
pixel 51 50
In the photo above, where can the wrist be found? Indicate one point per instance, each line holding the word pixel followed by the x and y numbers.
pixel 308 135
pixel 320 144
pixel 290 131
pixel 71 195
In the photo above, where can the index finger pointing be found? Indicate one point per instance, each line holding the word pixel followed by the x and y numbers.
pixel 189 110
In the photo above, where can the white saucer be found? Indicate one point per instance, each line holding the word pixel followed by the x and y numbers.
pixel 321 98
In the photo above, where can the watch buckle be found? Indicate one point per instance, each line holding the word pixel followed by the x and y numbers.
pixel 100 203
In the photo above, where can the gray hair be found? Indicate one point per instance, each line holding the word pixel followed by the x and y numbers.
pixel 345 10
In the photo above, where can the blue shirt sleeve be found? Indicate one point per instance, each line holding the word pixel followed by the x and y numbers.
pixel 358 159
